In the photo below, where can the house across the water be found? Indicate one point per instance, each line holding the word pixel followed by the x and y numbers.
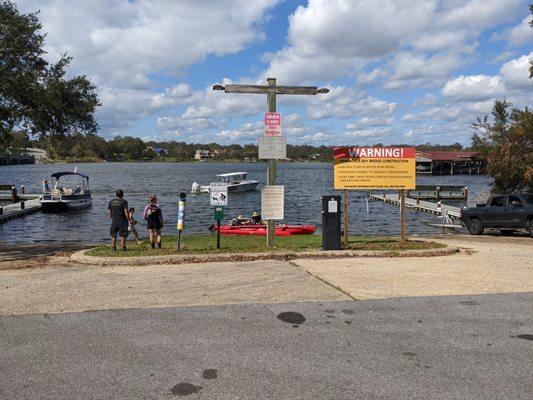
pixel 159 151
pixel 438 162
pixel 203 155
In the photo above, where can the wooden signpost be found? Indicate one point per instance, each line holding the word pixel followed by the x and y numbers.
pixel 271 90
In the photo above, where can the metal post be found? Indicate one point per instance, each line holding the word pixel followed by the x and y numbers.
pixel 218 234
pixel 22 190
pixel 346 219
pixel 14 196
pixel 271 172
pixel 179 241
pixel 402 215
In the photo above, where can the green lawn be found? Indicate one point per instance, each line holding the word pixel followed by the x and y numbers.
pixel 257 244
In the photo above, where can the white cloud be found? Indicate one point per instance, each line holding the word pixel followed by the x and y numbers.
pixel 517 35
pixel 479 14
pixel 515 73
pixel 123 46
pixel 342 102
pixel 419 70
pixel 369 122
pixel 326 38
pixel 474 88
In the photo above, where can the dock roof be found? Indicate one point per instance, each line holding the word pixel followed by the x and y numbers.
pixel 441 155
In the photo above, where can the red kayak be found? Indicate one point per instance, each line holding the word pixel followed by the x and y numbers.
pixel 281 230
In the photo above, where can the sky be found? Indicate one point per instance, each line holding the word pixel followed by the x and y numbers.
pixel 398 71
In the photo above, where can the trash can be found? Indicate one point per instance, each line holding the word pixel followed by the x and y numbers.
pixel 331 222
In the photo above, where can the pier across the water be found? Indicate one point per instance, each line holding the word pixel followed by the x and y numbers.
pixel 420 205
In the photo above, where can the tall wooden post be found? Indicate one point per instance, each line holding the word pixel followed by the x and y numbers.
pixel 271 172
pixel 346 218
pixel 402 215
pixel 271 90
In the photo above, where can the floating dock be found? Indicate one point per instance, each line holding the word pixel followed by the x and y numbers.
pixel 14 210
pixel 420 205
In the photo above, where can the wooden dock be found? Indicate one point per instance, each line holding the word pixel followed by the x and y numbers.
pixel 444 210
pixel 14 210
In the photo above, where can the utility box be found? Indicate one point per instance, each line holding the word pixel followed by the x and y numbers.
pixel 331 222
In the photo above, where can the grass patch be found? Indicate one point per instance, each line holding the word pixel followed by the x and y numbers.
pixel 256 244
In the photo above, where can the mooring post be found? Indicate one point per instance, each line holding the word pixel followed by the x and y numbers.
pixel 14 194
pixel 402 215
pixel 22 190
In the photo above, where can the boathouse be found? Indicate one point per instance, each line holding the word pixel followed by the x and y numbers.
pixel 438 162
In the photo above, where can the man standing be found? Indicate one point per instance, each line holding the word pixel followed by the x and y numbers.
pixel 120 219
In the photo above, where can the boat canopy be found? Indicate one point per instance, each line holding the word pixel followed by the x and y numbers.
pixel 233 174
pixel 58 175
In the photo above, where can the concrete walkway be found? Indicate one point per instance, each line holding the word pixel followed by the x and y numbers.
pixel 486 265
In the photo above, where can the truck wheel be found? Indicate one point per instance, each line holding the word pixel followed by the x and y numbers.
pixel 530 226
pixel 475 227
pixel 506 232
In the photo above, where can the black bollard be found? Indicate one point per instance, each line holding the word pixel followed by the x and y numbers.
pixel 22 190
pixel 1 210
pixel 22 205
pixel 14 194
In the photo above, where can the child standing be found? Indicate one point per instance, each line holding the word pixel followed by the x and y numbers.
pixel 132 227
pixel 154 221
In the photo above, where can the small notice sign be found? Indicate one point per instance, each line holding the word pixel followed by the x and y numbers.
pixel 272 124
pixel 218 194
pixel 272 147
pixel 273 202
pixel 374 167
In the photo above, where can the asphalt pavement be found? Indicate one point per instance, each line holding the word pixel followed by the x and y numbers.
pixel 450 347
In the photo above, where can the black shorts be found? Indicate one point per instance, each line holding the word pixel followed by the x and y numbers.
pixel 118 228
pixel 153 224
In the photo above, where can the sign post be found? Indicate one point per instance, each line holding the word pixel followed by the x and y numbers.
pixel 218 198
pixel 219 214
pixel 383 168
pixel 181 217
pixel 346 219
pixel 274 123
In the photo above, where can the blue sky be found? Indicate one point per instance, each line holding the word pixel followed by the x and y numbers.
pixel 399 71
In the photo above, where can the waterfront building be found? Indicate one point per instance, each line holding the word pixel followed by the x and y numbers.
pixel 438 162
pixel 203 155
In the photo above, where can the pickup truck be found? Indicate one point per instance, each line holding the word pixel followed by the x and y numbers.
pixel 504 212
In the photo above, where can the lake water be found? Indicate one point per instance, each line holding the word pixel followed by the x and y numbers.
pixel 304 184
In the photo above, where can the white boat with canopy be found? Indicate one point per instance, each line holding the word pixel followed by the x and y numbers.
pixel 236 181
pixel 62 198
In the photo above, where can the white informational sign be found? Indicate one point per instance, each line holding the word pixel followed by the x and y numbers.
pixel 272 147
pixel 333 206
pixel 273 202
pixel 218 194
pixel 272 124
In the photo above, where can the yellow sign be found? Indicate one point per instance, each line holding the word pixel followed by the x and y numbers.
pixel 374 168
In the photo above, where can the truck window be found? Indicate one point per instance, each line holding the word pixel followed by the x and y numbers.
pixel 497 201
pixel 528 198
pixel 513 201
